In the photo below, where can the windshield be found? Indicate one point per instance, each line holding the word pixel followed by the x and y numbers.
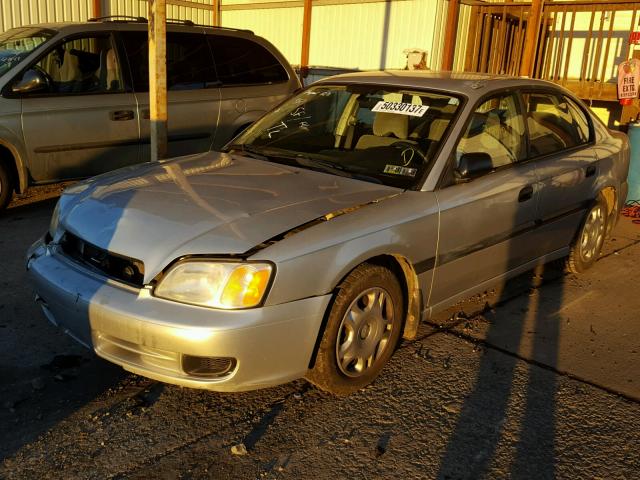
pixel 17 43
pixel 376 134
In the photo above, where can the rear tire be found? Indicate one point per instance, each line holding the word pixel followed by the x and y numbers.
pixel 586 247
pixel 6 186
pixel 362 331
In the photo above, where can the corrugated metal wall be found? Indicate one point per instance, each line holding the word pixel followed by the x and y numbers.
pixel 366 35
pixel 15 13
pixel 139 8
pixel 281 26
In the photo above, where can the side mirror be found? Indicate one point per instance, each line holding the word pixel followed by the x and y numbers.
pixel 473 165
pixel 32 81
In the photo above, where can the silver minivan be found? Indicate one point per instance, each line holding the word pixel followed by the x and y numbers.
pixel 74 97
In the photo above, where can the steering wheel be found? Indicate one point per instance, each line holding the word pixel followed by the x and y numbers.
pixel 409 146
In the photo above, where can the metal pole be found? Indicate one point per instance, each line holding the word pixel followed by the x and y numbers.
pixel 306 38
pixel 451 31
pixel 158 78
pixel 531 39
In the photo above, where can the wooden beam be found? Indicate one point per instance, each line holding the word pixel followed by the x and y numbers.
pixel 97 8
pixel 531 38
pixel 306 37
pixel 451 30
pixel 216 13
pixel 158 78
pixel 297 4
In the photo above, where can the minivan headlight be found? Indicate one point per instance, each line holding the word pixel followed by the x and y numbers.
pixel 224 285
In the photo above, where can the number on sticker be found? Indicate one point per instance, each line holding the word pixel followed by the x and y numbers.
pixel 401 108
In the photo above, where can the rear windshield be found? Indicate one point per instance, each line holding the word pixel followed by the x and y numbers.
pixel 17 43
pixel 371 133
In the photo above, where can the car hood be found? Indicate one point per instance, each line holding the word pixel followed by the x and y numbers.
pixel 212 203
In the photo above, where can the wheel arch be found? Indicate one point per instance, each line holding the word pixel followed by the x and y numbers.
pixel 609 196
pixel 10 156
pixel 403 270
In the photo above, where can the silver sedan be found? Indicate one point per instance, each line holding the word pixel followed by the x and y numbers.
pixel 329 229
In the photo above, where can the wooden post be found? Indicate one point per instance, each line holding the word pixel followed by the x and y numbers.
pixel 158 78
pixel 306 38
pixel 97 8
pixel 451 31
pixel 216 13
pixel 531 38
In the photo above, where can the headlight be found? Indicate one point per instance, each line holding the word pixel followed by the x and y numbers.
pixel 216 284
pixel 55 220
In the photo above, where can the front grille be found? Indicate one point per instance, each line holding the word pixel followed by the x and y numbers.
pixel 118 267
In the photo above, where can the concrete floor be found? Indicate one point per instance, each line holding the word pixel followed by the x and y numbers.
pixel 537 379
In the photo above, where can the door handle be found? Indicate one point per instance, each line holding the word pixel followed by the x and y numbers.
pixel 120 115
pixel 525 194
pixel 590 171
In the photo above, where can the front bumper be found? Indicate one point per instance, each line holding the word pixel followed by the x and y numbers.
pixel 150 336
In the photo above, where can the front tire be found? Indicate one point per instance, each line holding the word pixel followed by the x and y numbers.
pixel 587 245
pixel 362 331
pixel 6 186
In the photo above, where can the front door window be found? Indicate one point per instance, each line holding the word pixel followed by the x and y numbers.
pixel 83 65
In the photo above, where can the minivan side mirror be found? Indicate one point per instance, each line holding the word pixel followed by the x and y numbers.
pixel 473 165
pixel 32 81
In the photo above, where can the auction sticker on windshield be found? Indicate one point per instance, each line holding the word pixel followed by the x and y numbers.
pixel 401 108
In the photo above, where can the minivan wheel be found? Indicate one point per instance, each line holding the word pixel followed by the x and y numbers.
pixel 363 328
pixel 587 245
pixel 6 186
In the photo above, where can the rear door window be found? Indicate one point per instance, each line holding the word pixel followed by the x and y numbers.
pixel 189 62
pixel 243 62
pixel 555 123
pixel 497 128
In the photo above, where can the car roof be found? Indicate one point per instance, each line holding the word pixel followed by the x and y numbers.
pixel 468 84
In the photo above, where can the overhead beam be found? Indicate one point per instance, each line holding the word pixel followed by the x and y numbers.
pixel 451 30
pixel 158 78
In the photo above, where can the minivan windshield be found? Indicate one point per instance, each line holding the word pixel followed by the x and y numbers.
pixel 376 134
pixel 17 43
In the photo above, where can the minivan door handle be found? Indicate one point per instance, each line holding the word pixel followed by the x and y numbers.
pixel 121 115
pixel 525 194
pixel 590 171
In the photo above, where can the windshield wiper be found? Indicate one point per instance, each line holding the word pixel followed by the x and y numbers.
pixel 247 150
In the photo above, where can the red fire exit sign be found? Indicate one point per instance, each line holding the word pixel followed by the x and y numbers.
pixel 634 38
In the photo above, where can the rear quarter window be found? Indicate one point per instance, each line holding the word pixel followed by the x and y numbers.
pixel 240 61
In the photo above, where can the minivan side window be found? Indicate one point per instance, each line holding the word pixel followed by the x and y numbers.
pixel 189 62
pixel 83 65
pixel 243 62
pixel 497 128
pixel 555 123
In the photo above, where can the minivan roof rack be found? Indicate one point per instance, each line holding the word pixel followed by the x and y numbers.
pixel 118 18
pixel 174 21
pixel 179 21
